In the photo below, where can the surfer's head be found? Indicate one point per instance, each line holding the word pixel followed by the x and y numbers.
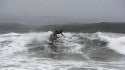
pixel 61 30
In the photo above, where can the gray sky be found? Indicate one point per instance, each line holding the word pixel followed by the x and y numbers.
pixel 106 10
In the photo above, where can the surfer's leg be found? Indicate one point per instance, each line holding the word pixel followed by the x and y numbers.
pixel 52 41
pixel 52 38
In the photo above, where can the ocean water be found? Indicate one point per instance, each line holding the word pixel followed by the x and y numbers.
pixel 75 51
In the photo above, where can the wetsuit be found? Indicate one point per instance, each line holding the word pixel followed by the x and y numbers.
pixel 57 32
pixel 54 36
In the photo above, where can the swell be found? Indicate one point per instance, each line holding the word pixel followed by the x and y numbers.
pixel 115 27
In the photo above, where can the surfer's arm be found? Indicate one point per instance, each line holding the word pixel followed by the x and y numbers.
pixel 62 35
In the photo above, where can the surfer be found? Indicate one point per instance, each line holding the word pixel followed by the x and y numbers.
pixel 54 36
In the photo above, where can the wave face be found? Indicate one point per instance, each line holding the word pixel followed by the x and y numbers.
pixel 20 48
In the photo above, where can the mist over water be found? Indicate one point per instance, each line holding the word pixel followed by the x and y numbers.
pixel 94 35
pixel 99 10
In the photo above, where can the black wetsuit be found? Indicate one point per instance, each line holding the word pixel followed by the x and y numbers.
pixel 57 32
pixel 54 35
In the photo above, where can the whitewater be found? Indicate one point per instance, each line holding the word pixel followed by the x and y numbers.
pixel 76 51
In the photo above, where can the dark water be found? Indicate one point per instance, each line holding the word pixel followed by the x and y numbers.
pixel 115 27
pixel 88 28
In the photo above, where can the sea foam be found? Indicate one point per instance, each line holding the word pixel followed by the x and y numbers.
pixel 116 43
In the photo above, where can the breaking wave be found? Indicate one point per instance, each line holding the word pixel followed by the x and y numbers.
pixel 90 44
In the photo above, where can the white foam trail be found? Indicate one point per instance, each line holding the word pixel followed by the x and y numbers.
pixel 115 43
pixel 72 41
pixel 15 42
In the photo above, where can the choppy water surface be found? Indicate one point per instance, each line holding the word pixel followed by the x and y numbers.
pixel 76 51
